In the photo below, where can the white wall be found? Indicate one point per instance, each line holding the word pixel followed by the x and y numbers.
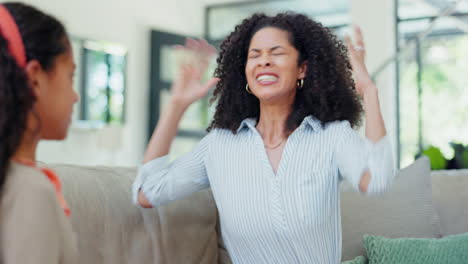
pixel 377 20
pixel 128 23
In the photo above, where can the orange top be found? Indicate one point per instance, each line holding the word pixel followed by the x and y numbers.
pixel 54 179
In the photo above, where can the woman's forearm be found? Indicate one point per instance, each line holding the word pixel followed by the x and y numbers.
pixel 165 131
pixel 375 126
pixel 161 140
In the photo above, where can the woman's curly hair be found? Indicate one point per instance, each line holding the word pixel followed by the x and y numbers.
pixel 328 92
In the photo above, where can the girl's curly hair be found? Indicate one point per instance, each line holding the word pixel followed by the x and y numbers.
pixel 328 92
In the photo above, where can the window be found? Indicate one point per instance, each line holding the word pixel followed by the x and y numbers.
pixel 101 82
pixel 433 83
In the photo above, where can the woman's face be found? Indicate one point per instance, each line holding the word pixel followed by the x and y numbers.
pixel 272 68
pixel 56 98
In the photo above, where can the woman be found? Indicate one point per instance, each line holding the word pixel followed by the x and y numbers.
pixel 280 143
pixel 36 102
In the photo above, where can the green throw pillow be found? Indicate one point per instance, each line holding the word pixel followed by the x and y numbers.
pixel 357 260
pixel 449 250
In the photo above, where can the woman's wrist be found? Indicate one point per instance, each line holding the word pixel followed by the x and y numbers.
pixel 178 104
pixel 370 93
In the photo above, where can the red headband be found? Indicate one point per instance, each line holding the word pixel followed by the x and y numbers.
pixel 9 30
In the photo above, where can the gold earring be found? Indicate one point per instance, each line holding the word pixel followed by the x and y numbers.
pixel 300 83
pixel 247 88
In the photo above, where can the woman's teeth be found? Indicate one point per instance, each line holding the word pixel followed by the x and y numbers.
pixel 267 78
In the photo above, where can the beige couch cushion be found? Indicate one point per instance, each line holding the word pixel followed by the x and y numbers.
pixel 450 194
pixel 404 211
pixel 111 230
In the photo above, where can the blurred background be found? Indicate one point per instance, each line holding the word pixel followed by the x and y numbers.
pixel 417 52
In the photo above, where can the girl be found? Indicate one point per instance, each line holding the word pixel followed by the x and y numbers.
pixel 36 102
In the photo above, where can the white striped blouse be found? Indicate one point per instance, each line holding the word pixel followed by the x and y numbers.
pixel 292 216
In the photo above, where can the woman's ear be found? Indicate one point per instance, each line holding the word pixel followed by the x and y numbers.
pixel 303 70
pixel 35 75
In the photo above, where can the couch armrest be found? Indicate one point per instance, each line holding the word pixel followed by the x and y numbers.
pixel 223 256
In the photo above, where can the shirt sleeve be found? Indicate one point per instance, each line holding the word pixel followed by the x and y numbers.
pixel 30 231
pixel 356 154
pixel 162 182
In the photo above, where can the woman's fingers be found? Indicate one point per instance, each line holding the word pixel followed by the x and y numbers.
pixel 195 59
pixel 351 50
pixel 356 47
pixel 207 86
pixel 207 48
pixel 192 44
pixel 197 52
pixel 359 37
pixel 349 43
pixel 360 46
pixel 200 46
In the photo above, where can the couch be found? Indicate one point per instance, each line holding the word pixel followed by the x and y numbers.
pixel 111 230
